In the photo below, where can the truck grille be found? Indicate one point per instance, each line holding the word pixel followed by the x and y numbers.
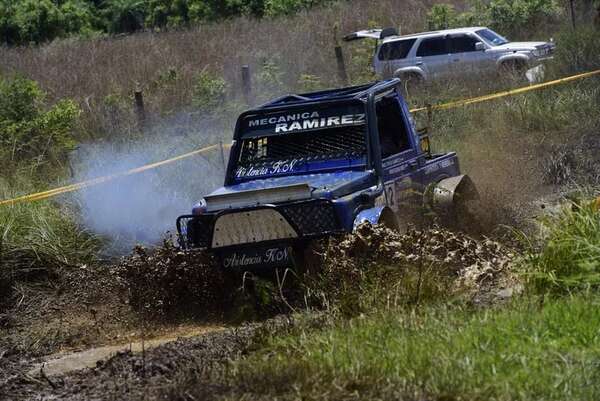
pixel 312 218
pixel 309 219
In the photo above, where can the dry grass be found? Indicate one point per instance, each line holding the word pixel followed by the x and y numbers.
pixel 91 70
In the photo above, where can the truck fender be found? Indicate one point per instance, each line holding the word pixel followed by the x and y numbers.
pixel 448 192
pixel 377 215
pixel 400 72
pixel 512 57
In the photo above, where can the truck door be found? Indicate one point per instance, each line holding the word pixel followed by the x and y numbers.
pixel 398 152
pixel 464 57
pixel 433 57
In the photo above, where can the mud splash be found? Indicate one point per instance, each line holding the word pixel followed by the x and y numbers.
pixel 475 268
pixel 167 282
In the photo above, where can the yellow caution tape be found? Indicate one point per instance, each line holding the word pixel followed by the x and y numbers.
pixel 100 180
pixel 484 98
pixel 85 184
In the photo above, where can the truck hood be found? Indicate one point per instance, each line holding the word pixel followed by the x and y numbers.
pixel 520 46
pixel 296 187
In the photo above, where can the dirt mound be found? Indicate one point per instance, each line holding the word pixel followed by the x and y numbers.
pixel 446 261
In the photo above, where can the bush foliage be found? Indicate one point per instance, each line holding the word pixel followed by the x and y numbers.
pixel 505 16
pixel 30 132
pixel 25 21
pixel 569 259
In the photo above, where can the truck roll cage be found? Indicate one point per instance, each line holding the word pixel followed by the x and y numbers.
pixel 367 95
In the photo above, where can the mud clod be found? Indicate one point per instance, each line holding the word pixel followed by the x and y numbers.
pixel 169 282
pixel 470 265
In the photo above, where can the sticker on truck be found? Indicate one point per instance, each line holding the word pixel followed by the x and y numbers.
pixel 272 257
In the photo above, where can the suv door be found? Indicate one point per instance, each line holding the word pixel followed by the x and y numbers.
pixel 432 56
pixel 392 55
pixel 464 57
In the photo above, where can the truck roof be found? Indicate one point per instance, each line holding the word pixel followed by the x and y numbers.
pixel 432 33
pixel 326 96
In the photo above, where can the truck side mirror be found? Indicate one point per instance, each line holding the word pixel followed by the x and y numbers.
pixel 425 145
pixel 479 46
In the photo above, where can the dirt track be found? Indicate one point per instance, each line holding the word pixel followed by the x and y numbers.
pixel 134 376
pixel 156 369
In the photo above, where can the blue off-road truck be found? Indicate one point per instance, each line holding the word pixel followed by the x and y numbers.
pixel 313 165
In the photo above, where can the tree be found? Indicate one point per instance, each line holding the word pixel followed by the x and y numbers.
pixel 79 17
pixel 124 16
pixel 37 20
pixel 29 130
pixel 9 31
pixel 160 13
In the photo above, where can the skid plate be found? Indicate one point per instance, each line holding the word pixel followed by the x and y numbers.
pixel 250 227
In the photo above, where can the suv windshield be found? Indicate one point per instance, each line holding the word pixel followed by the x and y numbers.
pixel 492 37
pixel 305 141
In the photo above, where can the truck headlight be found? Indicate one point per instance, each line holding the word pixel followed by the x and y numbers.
pixel 199 208
pixel 539 52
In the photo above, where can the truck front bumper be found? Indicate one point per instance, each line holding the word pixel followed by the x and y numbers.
pixel 259 236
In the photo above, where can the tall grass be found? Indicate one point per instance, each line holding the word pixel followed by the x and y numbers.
pixel 37 241
pixel 516 353
pixel 569 258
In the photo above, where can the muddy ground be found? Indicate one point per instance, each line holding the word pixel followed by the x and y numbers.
pixel 110 306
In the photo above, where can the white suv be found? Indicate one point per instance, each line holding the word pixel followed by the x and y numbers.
pixel 463 51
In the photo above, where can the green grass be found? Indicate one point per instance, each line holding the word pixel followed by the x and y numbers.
pixel 520 352
pixel 569 259
pixel 38 240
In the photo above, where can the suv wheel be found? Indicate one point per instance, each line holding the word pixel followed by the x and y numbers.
pixel 513 69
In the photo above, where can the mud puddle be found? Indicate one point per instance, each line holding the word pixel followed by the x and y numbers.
pixel 63 363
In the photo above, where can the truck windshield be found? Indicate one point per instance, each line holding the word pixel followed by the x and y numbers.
pixel 302 143
pixel 492 37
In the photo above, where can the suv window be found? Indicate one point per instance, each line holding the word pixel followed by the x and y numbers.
pixel 432 47
pixel 395 50
pixel 461 44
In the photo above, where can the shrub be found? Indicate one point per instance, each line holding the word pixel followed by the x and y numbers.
pixel 505 16
pixel 516 15
pixel 9 31
pixel 280 7
pixel 441 16
pixel 577 50
pixel 124 15
pixel 79 18
pixel 37 20
pixel 160 13
pixel 27 131
pixel 209 91
pixel 569 259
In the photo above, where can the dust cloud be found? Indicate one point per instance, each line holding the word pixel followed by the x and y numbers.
pixel 141 208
